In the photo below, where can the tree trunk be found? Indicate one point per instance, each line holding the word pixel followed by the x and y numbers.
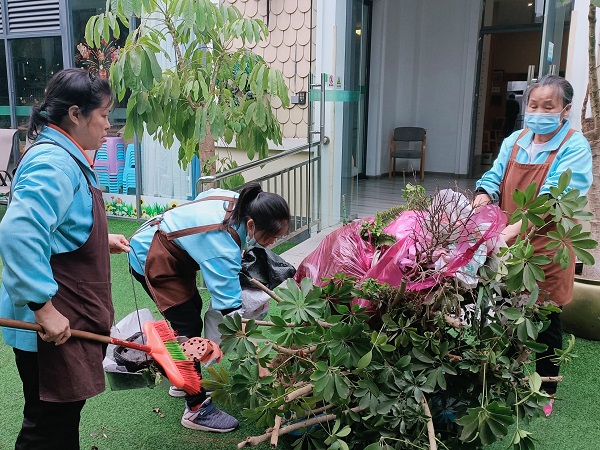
pixel 207 151
pixel 594 138
pixel 592 70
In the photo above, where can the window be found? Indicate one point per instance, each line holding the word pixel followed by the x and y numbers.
pixel 97 60
pixel 35 61
pixel 4 103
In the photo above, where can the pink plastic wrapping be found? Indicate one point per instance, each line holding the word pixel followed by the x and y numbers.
pixel 482 229
pixel 342 251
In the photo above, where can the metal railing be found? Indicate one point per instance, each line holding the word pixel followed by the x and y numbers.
pixel 294 183
pixel 298 184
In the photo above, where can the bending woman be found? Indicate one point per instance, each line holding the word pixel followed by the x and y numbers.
pixel 542 152
pixel 55 249
pixel 207 234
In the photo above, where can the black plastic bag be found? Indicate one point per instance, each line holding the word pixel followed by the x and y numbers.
pixel 265 266
pixel 131 358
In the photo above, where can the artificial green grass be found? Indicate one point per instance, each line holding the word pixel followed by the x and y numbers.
pixel 126 420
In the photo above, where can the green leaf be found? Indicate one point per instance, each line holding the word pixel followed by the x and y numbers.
pixel 530 191
pixel 535 346
pixel 584 256
pixel 512 313
pixel 135 61
pixel 519 198
pixel 341 387
pixel 365 360
pixel 154 66
pixel 422 356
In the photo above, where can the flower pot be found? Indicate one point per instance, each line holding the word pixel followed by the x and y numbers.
pixel 581 317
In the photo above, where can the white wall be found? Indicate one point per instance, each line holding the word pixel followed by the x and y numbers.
pixel 423 66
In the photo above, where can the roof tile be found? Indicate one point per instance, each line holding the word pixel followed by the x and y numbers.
pixel 290 6
pixel 276 7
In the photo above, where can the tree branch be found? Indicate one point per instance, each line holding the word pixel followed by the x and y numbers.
pixel 266 323
pixel 252 441
pixel 430 429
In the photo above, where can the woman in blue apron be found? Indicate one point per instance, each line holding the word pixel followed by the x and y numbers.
pixel 55 249
pixel 207 234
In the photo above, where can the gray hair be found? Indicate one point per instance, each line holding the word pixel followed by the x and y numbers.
pixel 564 88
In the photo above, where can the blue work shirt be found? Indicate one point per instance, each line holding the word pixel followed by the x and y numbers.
pixel 50 213
pixel 575 154
pixel 216 252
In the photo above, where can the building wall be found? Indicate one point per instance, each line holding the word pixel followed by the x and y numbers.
pixel 424 56
pixel 287 48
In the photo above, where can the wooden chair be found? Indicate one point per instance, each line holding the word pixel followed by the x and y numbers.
pixel 406 135
pixel 7 139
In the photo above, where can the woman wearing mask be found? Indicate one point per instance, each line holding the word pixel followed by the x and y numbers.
pixel 55 250
pixel 541 152
pixel 207 234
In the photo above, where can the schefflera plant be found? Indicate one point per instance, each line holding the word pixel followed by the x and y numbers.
pixel 449 366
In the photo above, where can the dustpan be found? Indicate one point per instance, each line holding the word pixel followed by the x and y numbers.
pixel 118 377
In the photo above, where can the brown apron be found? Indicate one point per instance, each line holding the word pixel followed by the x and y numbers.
pixel 558 285
pixel 170 271
pixel 73 371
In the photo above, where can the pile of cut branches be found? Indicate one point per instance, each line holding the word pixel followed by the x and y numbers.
pixel 444 366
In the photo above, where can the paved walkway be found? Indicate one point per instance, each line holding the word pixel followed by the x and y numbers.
pixel 296 254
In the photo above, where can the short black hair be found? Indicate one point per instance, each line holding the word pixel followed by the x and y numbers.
pixel 564 88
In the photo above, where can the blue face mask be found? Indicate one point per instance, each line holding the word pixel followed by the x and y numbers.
pixel 250 241
pixel 543 123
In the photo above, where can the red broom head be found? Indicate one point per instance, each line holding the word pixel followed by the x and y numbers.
pixel 166 351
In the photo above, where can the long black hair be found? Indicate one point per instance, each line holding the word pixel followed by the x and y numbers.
pixel 67 88
pixel 270 212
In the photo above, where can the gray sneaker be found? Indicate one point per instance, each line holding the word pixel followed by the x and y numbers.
pixel 208 418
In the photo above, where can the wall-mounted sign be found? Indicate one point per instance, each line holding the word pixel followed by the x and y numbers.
pixel 550 51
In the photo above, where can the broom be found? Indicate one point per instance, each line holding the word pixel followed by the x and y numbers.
pixel 162 346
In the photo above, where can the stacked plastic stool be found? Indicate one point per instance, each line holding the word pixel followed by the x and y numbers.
pixel 129 170
pixel 110 164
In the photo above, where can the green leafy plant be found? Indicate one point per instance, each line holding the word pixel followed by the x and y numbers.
pixel 448 364
pixel 206 89
pixel 416 199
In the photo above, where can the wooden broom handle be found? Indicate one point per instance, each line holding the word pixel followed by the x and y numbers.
pixel 10 323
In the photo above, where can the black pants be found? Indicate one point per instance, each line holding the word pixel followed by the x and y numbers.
pixel 552 337
pixel 186 320
pixel 46 425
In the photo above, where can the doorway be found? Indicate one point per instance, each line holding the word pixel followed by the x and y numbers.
pixel 356 82
pixel 519 41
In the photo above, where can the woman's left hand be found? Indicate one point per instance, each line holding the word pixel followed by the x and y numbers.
pixel 117 243
pixel 510 233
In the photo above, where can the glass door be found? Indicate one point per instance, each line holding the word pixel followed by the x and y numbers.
pixel 552 36
pixel 355 101
pixel 519 42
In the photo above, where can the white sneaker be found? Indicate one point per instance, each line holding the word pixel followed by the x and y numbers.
pixel 176 392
